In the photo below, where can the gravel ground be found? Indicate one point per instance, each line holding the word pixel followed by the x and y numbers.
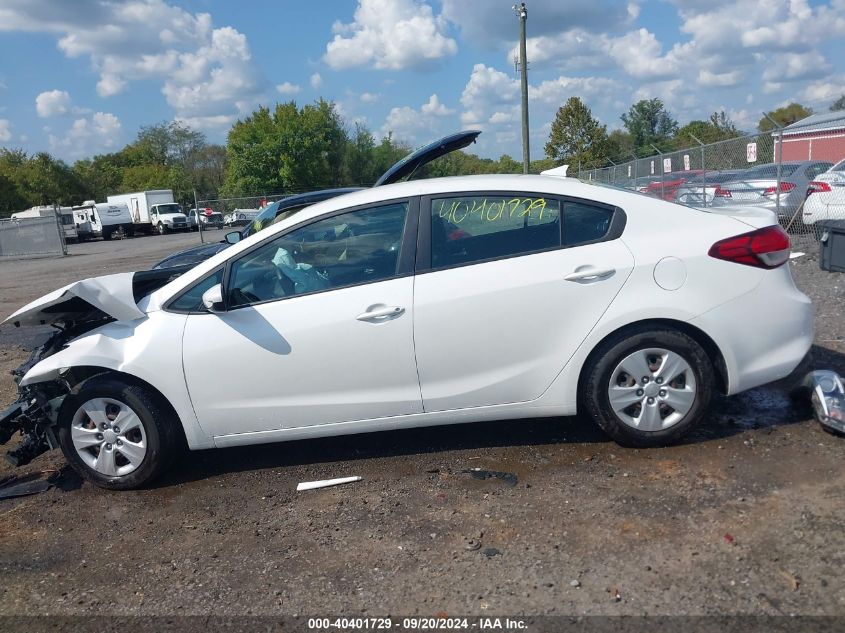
pixel 745 517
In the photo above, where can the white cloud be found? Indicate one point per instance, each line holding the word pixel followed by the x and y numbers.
pixel 99 132
pixel 390 34
pixel 52 103
pixel 5 131
pixel 435 108
pixel 409 124
pixel 796 67
pixel 731 78
pixel 316 81
pixel 287 88
pixel 497 27
pixel 205 72
pixel 369 97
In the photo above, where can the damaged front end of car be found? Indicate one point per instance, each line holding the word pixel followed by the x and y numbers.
pixel 73 311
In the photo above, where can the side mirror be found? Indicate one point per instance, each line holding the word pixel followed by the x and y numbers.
pixel 233 237
pixel 212 299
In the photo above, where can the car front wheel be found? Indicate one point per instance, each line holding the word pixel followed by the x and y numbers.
pixel 162 229
pixel 116 435
pixel 648 387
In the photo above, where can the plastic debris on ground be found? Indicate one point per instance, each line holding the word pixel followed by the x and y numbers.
pixel 13 486
pixel 478 473
pixel 325 483
pixel 828 398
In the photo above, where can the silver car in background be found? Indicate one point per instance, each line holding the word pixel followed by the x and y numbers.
pixel 758 186
pixel 700 191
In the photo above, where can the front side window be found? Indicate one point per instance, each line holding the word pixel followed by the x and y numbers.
pixel 469 229
pixel 344 250
pixel 191 299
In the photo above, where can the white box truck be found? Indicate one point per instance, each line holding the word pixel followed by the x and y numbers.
pixel 153 211
pixel 101 219
pixel 48 211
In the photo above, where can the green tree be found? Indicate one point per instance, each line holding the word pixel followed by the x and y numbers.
pixel 290 149
pixel 577 137
pixel 649 123
pixel 838 105
pixel 787 115
pixel 620 145
pixel 718 128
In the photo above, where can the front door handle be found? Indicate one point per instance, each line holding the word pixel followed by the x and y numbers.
pixel 383 312
pixel 589 275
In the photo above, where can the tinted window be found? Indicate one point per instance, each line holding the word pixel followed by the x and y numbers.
pixel 814 170
pixel 584 223
pixel 191 300
pixel 344 250
pixel 474 228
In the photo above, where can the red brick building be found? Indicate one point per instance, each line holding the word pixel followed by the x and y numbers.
pixel 818 137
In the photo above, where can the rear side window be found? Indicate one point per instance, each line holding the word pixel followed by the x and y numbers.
pixel 585 223
pixel 470 229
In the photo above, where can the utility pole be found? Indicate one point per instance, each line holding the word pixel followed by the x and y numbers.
pixel 522 12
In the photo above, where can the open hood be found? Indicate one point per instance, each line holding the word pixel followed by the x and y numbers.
pixel 108 296
pixel 426 154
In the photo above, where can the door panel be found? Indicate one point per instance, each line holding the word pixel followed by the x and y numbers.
pixel 500 332
pixel 305 360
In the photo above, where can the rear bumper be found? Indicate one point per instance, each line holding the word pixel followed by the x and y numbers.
pixel 764 335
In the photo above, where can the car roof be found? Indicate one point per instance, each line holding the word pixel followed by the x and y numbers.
pixel 516 183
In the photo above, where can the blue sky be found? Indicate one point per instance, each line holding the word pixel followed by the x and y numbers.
pixel 79 77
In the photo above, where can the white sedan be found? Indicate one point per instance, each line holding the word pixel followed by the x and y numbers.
pixel 429 302
pixel 826 196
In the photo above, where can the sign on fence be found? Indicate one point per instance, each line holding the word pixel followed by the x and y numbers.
pixel 629 171
pixel 652 168
pixel 667 165
pixel 751 152
pixel 686 162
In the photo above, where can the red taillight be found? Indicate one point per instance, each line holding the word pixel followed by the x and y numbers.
pixel 785 187
pixel 764 248
pixel 722 193
pixel 817 187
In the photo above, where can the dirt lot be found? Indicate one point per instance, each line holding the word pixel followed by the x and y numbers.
pixel 744 518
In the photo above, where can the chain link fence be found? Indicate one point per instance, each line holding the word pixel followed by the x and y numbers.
pixel 785 170
pixel 32 237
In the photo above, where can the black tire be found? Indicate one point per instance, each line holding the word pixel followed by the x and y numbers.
pixel 161 229
pixel 162 439
pixel 599 371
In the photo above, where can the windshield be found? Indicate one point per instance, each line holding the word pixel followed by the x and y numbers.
pixel 169 208
pixel 262 220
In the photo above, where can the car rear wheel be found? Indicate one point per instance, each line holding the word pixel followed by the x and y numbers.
pixel 648 387
pixel 116 435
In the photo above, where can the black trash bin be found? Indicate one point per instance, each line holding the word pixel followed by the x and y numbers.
pixel 832 246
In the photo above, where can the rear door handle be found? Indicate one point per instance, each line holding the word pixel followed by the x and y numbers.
pixel 380 313
pixel 589 275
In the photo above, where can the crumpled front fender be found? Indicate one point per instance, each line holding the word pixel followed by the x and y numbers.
pixel 148 349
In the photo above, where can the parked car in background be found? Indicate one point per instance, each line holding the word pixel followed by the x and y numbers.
pixel 286 207
pixel 417 304
pixel 240 217
pixel 666 187
pixel 758 186
pixel 826 196
pixel 699 191
pixel 208 218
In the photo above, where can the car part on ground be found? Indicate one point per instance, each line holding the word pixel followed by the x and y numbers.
pixel 325 483
pixel 828 398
